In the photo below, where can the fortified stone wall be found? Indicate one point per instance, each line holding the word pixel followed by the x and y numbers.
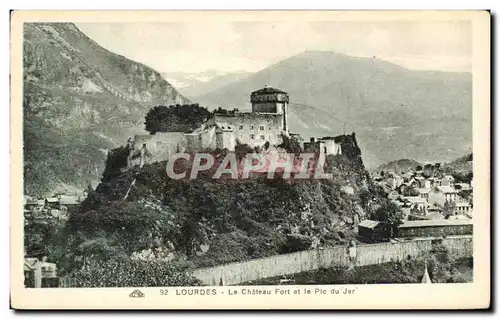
pixel 237 273
pixel 161 145
pixel 254 129
pixel 202 139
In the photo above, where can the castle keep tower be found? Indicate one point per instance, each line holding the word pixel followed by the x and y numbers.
pixel 271 100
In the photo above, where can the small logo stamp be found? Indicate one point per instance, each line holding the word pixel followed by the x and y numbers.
pixel 137 294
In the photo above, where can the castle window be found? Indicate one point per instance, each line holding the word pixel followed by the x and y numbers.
pixel 241 127
pixel 252 136
pixel 270 128
pixel 251 127
pixel 262 137
pixel 229 127
pixel 262 127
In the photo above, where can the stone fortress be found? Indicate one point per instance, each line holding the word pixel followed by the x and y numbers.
pixel 267 122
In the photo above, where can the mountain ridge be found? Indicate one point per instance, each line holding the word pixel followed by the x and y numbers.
pixel 388 106
pixel 80 100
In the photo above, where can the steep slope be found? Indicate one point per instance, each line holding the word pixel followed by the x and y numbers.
pixel 395 112
pixel 79 101
pixel 461 165
pixel 217 221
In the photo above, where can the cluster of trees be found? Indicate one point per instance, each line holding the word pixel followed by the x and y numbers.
pixel 220 110
pixel 175 118
pixel 390 214
pixel 291 145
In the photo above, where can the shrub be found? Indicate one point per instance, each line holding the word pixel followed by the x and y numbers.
pixel 124 272
pixel 296 242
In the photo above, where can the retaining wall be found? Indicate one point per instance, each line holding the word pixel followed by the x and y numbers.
pixel 236 273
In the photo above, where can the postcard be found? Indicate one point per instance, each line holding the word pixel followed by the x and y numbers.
pixel 250 160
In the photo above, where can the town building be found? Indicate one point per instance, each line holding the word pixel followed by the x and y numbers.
pixel 418 203
pixel 371 231
pixel 325 145
pixel 37 273
pixel 448 180
pixel 435 228
pixel 439 195
pixel 424 192
pixel 461 208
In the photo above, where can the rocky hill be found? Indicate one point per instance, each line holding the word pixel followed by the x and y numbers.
pixel 398 166
pixel 80 100
pixel 396 112
pixel 214 221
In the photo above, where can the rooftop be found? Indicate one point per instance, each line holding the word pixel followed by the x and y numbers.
pixel 433 223
pixel 367 223
pixel 424 190
pixel 69 200
pixel 447 189
pixel 267 90
pixel 415 199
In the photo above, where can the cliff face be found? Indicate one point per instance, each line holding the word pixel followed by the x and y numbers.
pixel 80 100
pixel 349 166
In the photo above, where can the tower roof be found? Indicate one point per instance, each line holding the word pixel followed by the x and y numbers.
pixel 426 279
pixel 267 90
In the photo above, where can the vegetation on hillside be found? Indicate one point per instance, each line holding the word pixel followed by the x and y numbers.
pixel 80 100
pixel 175 118
pixel 398 166
pixel 124 272
pixel 212 221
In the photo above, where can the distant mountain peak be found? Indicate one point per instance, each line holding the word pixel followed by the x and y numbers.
pixel 389 107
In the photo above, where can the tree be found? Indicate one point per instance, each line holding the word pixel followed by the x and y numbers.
pixel 117 159
pixel 365 197
pixel 291 144
pixel 448 209
pixel 390 214
pixel 410 191
pixel 419 167
pixel 175 118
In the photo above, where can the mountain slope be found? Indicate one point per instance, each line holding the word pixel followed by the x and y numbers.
pixel 194 84
pixel 394 111
pixel 79 101
pixel 402 165
pixel 460 165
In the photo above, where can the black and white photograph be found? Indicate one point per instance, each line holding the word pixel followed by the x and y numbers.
pixel 263 154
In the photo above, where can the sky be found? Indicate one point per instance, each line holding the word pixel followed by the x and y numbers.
pixel 251 46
